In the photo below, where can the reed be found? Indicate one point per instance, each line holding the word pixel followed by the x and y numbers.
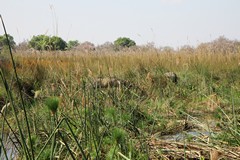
pixel 71 118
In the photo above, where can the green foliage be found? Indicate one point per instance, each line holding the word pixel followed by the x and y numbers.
pixel 124 42
pixel 43 42
pixel 4 43
pixel 57 43
pixel 39 42
pixel 119 135
pixel 71 44
pixel 52 103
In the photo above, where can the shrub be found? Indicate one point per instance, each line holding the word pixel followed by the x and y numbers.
pixel 4 43
pixel 39 42
pixel 52 103
pixel 57 43
pixel 86 47
pixel 106 47
pixel 23 46
pixel 43 42
pixel 220 45
pixel 72 44
pixel 124 42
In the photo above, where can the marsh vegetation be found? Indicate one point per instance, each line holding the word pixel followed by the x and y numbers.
pixel 70 118
pixel 133 103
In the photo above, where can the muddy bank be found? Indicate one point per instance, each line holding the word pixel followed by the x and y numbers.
pixel 196 141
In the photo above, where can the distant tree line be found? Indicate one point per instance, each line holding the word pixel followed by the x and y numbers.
pixel 43 42
pixel 221 45
pixel 53 43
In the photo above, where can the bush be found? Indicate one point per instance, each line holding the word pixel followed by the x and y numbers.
pixel 124 42
pixel 23 46
pixel 220 45
pixel 72 44
pixel 57 43
pixel 86 47
pixel 4 43
pixel 39 42
pixel 43 42
pixel 106 47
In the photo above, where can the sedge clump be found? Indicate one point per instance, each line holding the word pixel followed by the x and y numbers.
pixel 52 103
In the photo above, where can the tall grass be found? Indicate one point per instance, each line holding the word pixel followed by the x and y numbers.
pixel 23 141
pixel 95 116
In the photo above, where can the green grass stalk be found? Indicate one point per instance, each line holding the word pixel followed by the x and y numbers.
pixel 49 138
pixel 54 138
pixel 19 87
pixel 15 136
pixel 74 137
pixel 66 144
pixel 10 97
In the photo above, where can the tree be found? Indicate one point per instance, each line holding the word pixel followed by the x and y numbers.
pixel 87 47
pixel 57 43
pixel 72 44
pixel 4 43
pixel 220 45
pixel 106 47
pixel 22 46
pixel 43 42
pixel 124 42
pixel 39 42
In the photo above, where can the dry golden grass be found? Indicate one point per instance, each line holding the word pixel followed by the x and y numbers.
pixel 116 64
pixel 206 82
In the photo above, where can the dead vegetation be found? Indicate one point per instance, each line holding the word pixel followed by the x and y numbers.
pixel 163 149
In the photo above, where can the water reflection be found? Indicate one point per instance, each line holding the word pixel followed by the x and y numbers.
pixel 193 135
pixel 8 142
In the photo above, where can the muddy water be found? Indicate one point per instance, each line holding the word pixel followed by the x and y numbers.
pixel 9 147
pixel 194 135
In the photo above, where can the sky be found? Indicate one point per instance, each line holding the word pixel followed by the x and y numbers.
pixel 163 22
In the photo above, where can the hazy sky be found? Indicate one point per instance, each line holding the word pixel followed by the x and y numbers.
pixel 164 22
